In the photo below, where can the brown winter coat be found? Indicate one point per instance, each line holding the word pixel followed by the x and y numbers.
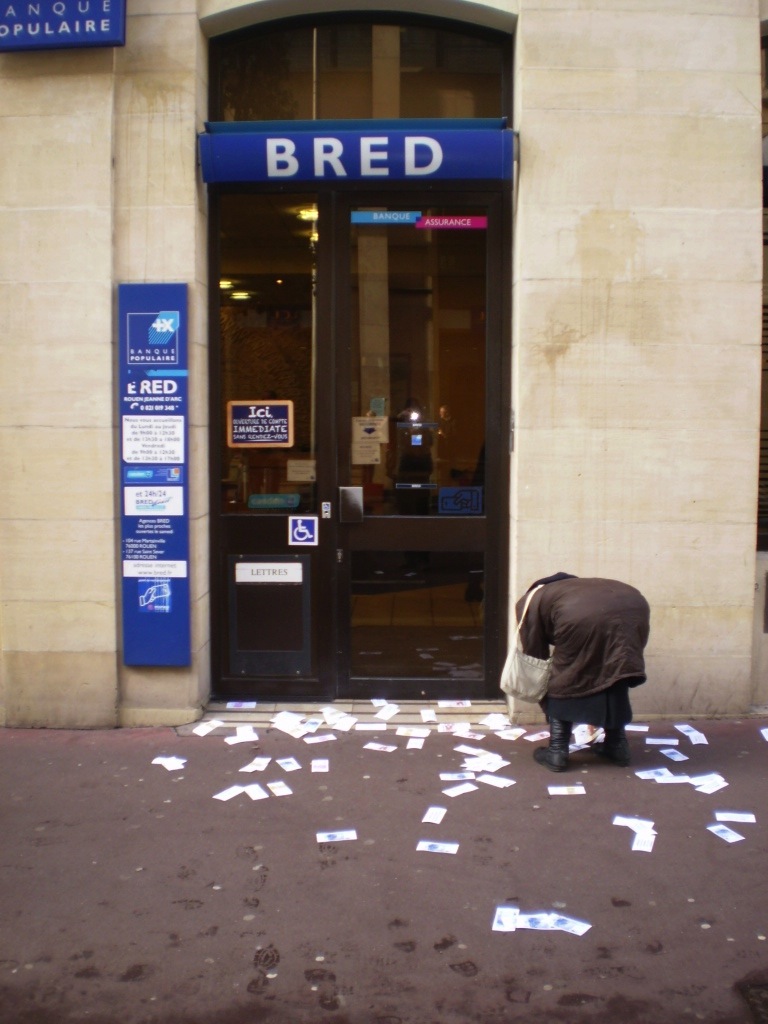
pixel 598 629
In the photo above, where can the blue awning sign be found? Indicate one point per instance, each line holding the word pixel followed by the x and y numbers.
pixel 327 151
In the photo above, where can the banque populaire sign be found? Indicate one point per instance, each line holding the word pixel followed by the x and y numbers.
pixel 61 24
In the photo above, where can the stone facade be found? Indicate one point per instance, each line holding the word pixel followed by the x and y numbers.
pixel 637 291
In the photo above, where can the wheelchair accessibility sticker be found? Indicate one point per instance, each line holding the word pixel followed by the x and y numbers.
pixel 302 531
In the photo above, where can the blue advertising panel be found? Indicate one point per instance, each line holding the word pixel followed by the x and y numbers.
pixel 61 24
pixel 152 404
pixel 383 151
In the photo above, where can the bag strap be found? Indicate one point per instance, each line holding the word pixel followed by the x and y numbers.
pixel 525 610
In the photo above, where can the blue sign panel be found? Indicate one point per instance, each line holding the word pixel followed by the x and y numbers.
pixel 302 531
pixel 61 24
pixel 152 401
pixel 382 151
pixel 460 501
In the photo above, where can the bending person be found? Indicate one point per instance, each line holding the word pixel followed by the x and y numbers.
pixel 598 629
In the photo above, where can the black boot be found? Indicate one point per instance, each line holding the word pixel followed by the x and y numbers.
pixel 555 756
pixel 615 748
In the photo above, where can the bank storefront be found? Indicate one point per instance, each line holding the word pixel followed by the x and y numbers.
pixel 350 326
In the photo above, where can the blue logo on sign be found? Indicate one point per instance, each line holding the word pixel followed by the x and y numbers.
pixel 302 530
pixel 155 595
pixel 461 501
pixel 163 328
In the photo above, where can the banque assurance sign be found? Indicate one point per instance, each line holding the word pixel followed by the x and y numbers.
pixel 59 24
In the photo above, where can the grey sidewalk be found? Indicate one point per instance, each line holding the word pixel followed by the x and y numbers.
pixel 131 895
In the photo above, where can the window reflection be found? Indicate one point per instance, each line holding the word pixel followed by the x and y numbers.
pixel 358 70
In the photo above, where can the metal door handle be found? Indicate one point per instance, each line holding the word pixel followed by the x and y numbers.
pixel 351 504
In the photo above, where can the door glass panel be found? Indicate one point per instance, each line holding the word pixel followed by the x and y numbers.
pixel 267 317
pixel 417 617
pixel 417 408
pixel 417 401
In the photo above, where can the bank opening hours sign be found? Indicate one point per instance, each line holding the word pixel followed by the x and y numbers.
pixel 260 423
pixel 154 424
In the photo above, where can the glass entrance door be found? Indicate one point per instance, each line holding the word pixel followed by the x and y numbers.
pixel 417 409
pixel 374 322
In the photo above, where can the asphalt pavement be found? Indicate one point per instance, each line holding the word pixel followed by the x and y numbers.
pixel 138 891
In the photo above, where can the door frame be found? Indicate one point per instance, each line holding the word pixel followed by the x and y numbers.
pixel 330 603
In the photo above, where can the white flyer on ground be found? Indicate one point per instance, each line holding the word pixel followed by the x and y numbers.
pixel 228 793
pixel 511 734
pixel 429 846
pixel 434 815
pixel 693 735
pixel 343 836
pixel 577 790
pixel 258 764
pixel 379 746
pixel 323 737
pixel 505 919
pixel 414 731
pixel 387 711
pixel 172 764
pixel 279 789
pixel 709 783
pixel 415 743
pixel 636 824
pixel 243 734
pixel 464 787
pixel 288 764
pixel 725 833
pixel 674 754
pixel 644 841
pixel 499 781
pixel 428 715
pixel 203 728
pixel 743 816
pixel 320 764
pixel 255 792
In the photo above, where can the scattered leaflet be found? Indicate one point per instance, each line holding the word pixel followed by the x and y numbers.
pixel 496 780
pixel 510 919
pixel 290 723
pixel 243 734
pixel 255 792
pixel 345 835
pixel 693 735
pixel 203 728
pixel 434 815
pixel 674 754
pixel 258 764
pixel 725 833
pixel 320 764
pixel 576 790
pixel 429 846
pixel 511 734
pixel 279 789
pixel 464 787
pixel 229 793
pixel 172 764
pixel 379 746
